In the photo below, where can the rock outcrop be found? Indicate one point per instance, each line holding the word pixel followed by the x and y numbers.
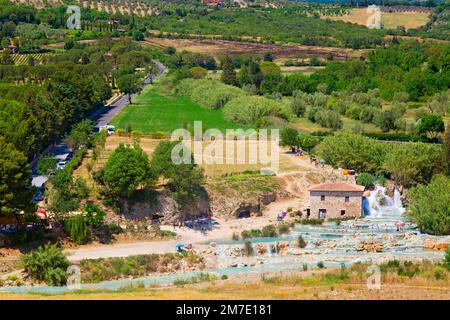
pixel 370 246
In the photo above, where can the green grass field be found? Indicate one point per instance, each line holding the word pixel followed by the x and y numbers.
pixel 154 111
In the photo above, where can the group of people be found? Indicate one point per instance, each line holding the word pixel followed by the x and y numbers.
pixel 200 224
pixel 281 216
pixel 297 151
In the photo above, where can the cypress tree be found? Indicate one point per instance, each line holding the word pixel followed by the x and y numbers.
pixel 228 72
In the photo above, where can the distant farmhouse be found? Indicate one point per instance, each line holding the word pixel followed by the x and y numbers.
pixel 335 200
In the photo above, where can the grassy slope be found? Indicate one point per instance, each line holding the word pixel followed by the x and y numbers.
pixel 154 111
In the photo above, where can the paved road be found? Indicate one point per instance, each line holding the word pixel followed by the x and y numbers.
pixel 104 115
pixel 101 117
pixel 122 250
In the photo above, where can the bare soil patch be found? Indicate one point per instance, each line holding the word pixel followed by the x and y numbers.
pixel 281 51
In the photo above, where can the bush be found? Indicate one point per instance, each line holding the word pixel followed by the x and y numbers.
pixel 311 221
pixel 248 248
pixel 77 228
pixel 447 257
pixel 429 206
pixel 198 72
pixel 186 86
pixel 365 179
pixel 47 263
pixel 214 95
pixel 301 243
pixel 283 228
pixel 248 109
pixel 94 215
pixel 328 119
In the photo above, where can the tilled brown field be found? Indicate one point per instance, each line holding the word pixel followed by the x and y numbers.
pixel 281 51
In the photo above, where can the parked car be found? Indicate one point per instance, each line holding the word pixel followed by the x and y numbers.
pixel 38 197
pixel 61 164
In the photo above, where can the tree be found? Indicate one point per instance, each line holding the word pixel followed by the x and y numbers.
pixel 129 84
pixel 353 151
pixel 185 183
pixel 138 35
pixel 15 191
pixel 46 165
pixel 66 193
pixel 184 180
pixel 431 125
pixel 446 152
pixel 290 137
pixel 6 57
pixel 127 168
pixel 429 206
pixel 298 106
pixel 440 104
pixel 268 56
pixel 409 164
pixel 228 72
pixel 386 119
pixel 79 134
pixel 77 228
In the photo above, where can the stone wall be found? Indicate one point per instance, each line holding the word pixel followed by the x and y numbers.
pixel 334 203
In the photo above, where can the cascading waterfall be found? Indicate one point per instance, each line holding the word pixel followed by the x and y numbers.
pixel 269 249
pixel 382 205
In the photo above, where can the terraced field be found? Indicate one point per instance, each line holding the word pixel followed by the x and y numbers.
pixel 23 59
pixel 138 8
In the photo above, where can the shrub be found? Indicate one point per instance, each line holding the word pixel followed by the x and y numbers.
pixel 47 263
pixel 447 257
pixel 76 227
pixel 365 179
pixel 198 72
pixel 94 215
pixel 269 231
pixel 301 243
pixel 439 273
pixel 214 95
pixel 283 228
pixel 248 248
pixel 186 86
pixel 311 221
pixel 320 265
pixel 248 109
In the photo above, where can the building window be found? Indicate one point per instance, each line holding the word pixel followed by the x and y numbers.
pixel 322 198
pixel 342 212
pixel 322 213
pixel 347 199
